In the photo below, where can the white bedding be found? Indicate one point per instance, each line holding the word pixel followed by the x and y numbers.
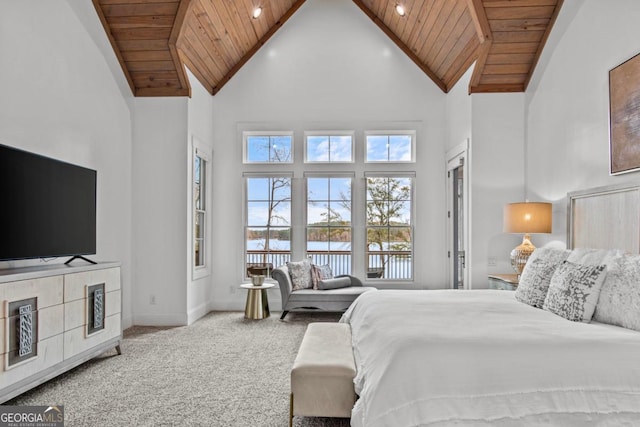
pixel 447 357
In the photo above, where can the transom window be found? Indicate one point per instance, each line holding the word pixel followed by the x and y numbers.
pixel 329 148
pixel 329 234
pixel 271 147
pixel 389 227
pixel 268 227
pixel 389 146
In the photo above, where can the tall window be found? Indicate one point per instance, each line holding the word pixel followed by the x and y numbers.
pixel 389 227
pixel 389 146
pixel 199 200
pixel 268 223
pixel 271 147
pixel 201 210
pixel 334 147
pixel 329 222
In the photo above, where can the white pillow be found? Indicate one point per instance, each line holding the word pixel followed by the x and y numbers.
pixel 588 256
pixel 537 273
pixel 574 291
pixel 300 273
pixel 619 302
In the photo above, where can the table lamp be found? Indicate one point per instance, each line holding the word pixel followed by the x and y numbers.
pixel 526 217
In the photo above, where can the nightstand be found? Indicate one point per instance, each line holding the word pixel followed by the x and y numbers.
pixel 508 282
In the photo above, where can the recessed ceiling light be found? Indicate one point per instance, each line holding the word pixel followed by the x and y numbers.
pixel 400 10
pixel 256 12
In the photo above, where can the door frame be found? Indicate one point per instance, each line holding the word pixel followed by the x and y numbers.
pixel 459 155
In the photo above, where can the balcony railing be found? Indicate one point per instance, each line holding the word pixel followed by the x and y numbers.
pixel 382 265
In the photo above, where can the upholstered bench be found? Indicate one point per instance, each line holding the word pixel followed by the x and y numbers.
pixel 323 372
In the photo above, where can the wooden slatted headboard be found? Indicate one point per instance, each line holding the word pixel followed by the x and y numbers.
pixel 605 218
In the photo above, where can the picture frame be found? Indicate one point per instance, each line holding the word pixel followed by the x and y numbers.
pixel 624 117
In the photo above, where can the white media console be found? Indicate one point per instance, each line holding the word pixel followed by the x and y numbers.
pixel 55 318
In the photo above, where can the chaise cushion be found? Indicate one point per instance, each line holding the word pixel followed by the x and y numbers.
pixel 309 296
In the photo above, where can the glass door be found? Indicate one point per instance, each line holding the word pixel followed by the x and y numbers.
pixel 457 220
pixel 457 217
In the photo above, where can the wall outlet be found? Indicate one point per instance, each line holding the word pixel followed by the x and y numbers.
pixel 492 261
pixel 152 299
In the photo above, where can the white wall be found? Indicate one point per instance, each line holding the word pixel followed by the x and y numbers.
pixel 160 206
pixel 497 178
pixel 567 104
pixel 200 123
pixel 459 112
pixel 60 99
pixel 494 125
pixel 328 67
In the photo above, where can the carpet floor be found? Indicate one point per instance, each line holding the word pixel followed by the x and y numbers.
pixel 221 371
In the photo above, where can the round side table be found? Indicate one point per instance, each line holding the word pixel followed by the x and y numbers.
pixel 257 306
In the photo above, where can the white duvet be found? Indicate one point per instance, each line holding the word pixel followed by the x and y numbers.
pixel 447 357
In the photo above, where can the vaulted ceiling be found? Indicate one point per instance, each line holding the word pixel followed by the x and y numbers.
pixel 155 39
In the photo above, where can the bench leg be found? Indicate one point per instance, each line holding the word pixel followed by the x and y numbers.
pixel 291 410
pixel 284 313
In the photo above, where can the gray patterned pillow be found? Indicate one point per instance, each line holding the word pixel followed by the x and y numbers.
pixel 300 273
pixel 574 291
pixel 619 302
pixel 536 276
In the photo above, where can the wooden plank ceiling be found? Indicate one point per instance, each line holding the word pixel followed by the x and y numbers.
pixel 154 39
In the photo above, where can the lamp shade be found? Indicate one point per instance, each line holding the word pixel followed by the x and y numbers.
pixel 527 217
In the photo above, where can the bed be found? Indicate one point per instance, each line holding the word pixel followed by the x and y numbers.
pixel 481 357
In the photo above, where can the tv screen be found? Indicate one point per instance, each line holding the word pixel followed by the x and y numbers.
pixel 48 207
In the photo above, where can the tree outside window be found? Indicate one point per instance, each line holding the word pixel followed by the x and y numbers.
pixel 268 230
pixel 329 222
pixel 389 228
pixel 266 148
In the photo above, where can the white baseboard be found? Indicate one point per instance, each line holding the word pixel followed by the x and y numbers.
pixel 127 322
pixel 170 319
pixel 198 312
pixel 275 304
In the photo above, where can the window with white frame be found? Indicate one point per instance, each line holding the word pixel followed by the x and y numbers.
pixel 360 226
pixel 199 196
pixel 268 147
pixel 389 227
pixel 329 225
pixel 201 175
pixel 390 147
pixel 268 222
pixel 329 147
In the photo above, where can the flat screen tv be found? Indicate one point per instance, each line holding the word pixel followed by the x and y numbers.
pixel 47 209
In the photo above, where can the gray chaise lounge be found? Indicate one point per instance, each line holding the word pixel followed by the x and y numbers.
pixel 311 299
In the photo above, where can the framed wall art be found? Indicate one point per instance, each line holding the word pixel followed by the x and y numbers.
pixel 624 117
